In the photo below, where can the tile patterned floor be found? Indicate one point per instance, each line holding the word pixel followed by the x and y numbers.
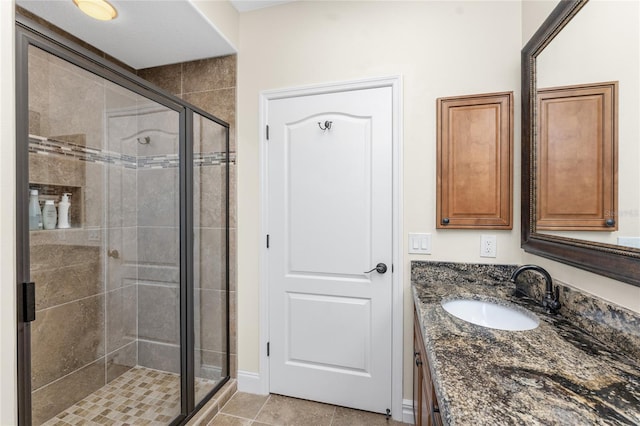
pixel 245 409
pixel 141 396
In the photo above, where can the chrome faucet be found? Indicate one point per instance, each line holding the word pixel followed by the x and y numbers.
pixel 550 301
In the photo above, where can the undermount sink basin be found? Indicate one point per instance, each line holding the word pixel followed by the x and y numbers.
pixel 492 315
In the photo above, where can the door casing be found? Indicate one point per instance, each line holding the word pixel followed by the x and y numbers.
pixel 261 383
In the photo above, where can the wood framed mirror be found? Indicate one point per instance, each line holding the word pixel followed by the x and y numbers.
pixel 602 253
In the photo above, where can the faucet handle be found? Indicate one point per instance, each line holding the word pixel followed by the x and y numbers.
pixel 551 301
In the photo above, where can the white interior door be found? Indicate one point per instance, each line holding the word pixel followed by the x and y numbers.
pixel 330 220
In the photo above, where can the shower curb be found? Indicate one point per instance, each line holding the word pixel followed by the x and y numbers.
pixel 211 408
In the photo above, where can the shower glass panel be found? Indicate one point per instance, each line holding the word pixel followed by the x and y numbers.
pixel 105 344
pixel 210 177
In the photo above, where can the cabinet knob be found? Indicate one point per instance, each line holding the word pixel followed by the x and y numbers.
pixel 416 358
pixel 610 222
pixel 445 221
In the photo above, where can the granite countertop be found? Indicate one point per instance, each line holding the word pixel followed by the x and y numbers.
pixel 554 374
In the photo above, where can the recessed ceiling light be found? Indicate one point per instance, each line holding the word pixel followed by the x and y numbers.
pixel 97 9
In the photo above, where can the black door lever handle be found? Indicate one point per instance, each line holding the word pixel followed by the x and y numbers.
pixel 380 268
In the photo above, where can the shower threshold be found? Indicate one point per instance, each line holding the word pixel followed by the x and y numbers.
pixel 140 396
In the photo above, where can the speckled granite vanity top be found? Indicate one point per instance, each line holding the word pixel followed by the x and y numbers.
pixel 557 373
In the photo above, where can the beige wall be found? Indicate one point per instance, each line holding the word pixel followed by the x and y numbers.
pixel 223 16
pixel 534 12
pixel 439 48
pixel 8 398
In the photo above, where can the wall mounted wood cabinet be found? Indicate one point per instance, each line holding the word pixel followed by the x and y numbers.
pixel 577 158
pixel 475 161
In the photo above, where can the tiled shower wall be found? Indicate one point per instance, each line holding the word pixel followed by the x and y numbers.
pixel 210 84
pixel 108 290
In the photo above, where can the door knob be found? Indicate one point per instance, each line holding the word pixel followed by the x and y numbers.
pixel 380 268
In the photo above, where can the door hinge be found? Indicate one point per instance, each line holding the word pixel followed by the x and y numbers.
pixel 267 240
pixel 28 302
pixel 267 132
pixel 392 268
pixel 268 348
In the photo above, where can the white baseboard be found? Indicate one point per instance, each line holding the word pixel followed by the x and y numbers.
pixel 250 382
pixel 407 411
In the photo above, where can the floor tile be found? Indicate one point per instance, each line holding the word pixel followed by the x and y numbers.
pixel 349 417
pixel 140 395
pixel 284 411
pixel 225 420
pixel 244 405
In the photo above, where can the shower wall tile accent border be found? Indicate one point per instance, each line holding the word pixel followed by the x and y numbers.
pixel 45 146
pixel 49 146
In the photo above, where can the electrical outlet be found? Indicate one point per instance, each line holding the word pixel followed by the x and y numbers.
pixel 488 246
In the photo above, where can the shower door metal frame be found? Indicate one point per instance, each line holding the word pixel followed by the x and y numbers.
pixel 29 33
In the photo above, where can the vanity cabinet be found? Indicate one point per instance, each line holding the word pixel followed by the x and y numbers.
pixel 475 162
pixel 426 409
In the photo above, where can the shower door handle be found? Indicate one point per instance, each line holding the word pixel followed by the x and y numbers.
pixel 28 302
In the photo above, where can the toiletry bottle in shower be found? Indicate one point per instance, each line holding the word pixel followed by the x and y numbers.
pixel 35 214
pixel 63 212
pixel 49 215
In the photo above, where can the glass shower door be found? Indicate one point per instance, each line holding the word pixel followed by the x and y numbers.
pixel 211 293
pixel 105 343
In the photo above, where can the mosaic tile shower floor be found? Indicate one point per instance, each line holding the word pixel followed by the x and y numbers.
pixel 141 396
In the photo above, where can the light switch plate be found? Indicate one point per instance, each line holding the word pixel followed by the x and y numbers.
pixel 419 243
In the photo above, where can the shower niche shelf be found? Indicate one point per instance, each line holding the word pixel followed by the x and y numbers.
pixel 47 191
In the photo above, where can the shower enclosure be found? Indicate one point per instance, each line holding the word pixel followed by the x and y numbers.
pixel 123 317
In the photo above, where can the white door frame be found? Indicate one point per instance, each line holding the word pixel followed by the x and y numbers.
pixel 395 82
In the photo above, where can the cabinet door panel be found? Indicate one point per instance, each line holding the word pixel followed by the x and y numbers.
pixel 577 158
pixel 475 161
pixel 425 408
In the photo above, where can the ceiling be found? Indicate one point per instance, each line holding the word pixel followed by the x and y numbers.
pixel 146 33
pixel 249 5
